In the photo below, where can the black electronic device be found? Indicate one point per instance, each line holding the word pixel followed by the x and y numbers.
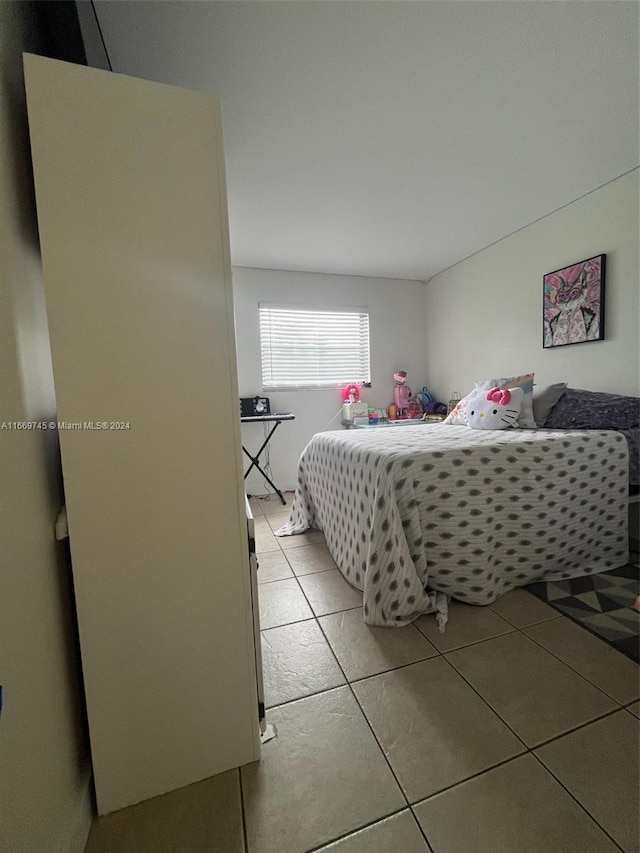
pixel 254 406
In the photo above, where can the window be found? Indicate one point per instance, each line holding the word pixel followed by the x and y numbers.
pixel 313 348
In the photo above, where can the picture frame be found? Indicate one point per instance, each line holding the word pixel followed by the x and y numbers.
pixel 573 303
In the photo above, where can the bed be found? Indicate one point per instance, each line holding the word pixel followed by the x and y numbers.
pixel 417 515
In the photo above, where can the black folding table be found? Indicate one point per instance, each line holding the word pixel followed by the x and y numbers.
pixel 276 420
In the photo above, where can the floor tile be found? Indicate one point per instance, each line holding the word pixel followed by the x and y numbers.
pixel 399 832
pixel 310 558
pixel 297 662
pixel 533 692
pixel 467 624
pixel 281 603
pixel 599 766
pixel 634 709
pixel 199 818
pixel 309 537
pixel 365 650
pixel 272 503
pixel 277 519
pixel 618 676
pixel 273 566
pixel 515 808
pixel 256 507
pixel 265 540
pixel 329 592
pixel 434 729
pixel 322 777
pixel 522 609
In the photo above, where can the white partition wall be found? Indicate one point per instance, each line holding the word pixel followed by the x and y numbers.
pixel 133 227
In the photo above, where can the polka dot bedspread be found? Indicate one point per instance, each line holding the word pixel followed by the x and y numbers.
pixel 416 515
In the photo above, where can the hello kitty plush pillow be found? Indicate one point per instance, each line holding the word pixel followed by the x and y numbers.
pixel 524 381
pixel 493 409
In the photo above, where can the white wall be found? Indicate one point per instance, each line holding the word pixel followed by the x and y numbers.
pixel 44 769
pixel 396 312
pixel 484 315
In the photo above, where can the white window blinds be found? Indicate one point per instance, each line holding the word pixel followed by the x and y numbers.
pixel 313 348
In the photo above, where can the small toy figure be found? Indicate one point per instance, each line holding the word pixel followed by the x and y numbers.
pixel 401 393
pixel 351 393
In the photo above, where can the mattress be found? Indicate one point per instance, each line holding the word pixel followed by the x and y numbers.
pixel 414 516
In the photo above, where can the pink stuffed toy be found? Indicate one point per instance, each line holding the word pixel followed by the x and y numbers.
pixel 401 393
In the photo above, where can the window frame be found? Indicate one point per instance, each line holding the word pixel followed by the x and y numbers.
pixel 276 382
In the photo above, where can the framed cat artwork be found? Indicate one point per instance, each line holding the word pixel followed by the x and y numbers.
pixel 573 303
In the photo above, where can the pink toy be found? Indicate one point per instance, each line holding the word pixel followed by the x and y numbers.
pixel 401 393
pixel 351 393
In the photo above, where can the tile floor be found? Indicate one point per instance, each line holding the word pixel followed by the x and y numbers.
pixel 515 731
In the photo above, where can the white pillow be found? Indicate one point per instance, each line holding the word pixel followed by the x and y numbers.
pixel 544 399
pixel 455 416
pixel 494 409
pixel 525 381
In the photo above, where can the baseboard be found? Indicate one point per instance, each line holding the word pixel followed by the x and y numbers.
pixel 81 819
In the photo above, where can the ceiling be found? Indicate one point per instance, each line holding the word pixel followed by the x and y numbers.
pixel 395 138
